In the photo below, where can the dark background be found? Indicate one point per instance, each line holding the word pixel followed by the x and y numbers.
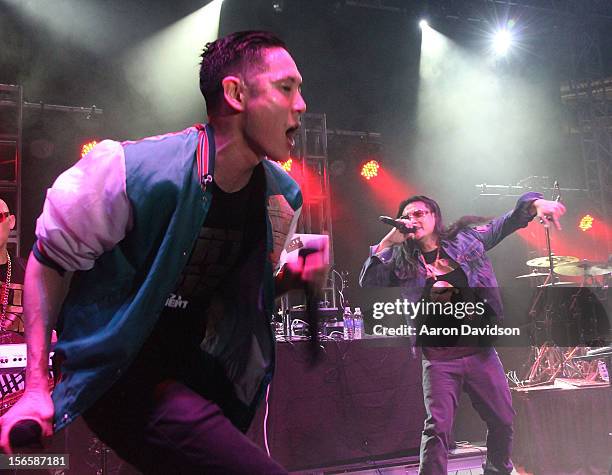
pixel 361 69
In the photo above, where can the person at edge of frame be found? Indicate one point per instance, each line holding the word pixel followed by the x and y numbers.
pixel 12 274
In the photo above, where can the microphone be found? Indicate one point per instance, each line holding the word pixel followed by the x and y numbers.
pixel 26 434
pixel 312 312
pixel 558 190
pixel 401 227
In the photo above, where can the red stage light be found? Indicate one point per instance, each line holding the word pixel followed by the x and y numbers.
pixel 86 147
pixel 286 164
pixel 370 169
pixel 586 222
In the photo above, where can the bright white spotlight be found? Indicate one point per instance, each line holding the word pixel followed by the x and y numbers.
pixel 433 46
pixel 502 41
pixel 168 61
pixel 423 24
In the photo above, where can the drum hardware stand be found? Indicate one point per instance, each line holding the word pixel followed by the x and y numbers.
pixel 551 361
pixel 546 353
pixel 547 324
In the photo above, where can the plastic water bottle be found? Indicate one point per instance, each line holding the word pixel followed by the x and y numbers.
pixel 603 371
pixel 349 324
pixel 358 324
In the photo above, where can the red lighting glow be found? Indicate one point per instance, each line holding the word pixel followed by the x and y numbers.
pixel 286 164
pixel 586 222
pixel 86 148
pixel 388 190
pixel 370 169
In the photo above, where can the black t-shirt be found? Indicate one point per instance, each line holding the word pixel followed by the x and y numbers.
pixel 234 227
pixel 450 288
pixel 15 301
pixel 17 270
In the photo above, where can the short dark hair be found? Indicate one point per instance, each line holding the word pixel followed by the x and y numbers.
pixel 232 54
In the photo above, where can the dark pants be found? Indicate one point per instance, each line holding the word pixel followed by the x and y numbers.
pixel 172 429
pixel 481 376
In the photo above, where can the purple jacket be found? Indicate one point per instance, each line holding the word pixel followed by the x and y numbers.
pixel 468 248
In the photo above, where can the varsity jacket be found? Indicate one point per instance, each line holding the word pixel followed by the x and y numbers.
pixel 125 219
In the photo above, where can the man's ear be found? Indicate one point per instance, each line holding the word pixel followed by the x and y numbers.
pixel 233 92
pixel 11 221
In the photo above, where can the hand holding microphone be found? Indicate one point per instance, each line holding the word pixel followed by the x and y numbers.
pixel 400 232
pixel 397 224
pixel 27 423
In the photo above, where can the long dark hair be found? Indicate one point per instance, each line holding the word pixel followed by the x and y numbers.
pixel 406 254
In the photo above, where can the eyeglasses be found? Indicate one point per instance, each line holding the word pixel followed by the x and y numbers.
pixel 418 214
pixel 4 216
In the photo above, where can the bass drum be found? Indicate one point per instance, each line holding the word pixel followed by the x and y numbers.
pixel 574 316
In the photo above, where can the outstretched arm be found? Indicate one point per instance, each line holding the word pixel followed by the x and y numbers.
pixel 528 206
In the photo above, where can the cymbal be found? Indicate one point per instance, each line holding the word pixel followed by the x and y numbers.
pixel 533 274
pixel 555 284
pixel 583 268
pixel 557 261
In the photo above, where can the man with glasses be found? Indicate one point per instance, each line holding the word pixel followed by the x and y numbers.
pixel 12 271
pixel 448 267
pixel 156 257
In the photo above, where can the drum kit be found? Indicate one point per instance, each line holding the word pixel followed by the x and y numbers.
pixel 564 320
pixel 568 320
pixel 568 266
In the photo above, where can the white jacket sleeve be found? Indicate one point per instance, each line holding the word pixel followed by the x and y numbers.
pixel 86 211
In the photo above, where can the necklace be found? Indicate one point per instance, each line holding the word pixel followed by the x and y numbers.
pixel 5 290
pixel 430 269
pixel 438 267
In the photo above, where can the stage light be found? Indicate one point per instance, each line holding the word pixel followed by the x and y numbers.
pixel 86 147
pixel 502 41
pixel 167 61
pixel 286 164
pixel 370 169
pixel 586 222
pixel 278 6
pixel 433 48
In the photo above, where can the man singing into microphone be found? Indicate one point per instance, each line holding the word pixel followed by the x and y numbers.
pixel 434 263
pixel 155 259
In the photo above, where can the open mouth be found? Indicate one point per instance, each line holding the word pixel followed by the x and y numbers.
pixel 290 133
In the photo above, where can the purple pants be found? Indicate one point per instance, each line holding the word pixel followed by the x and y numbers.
pixel 482 377
pixel 169 428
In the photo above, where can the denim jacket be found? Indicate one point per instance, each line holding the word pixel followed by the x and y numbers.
pixel 468 249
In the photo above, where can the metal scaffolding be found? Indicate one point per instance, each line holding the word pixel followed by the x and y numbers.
pixel 311 153
pixel 12 108
pixel 588 96
pixel 11 137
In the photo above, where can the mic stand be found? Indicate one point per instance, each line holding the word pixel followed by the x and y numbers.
pixel 551 267
pixel 551 280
